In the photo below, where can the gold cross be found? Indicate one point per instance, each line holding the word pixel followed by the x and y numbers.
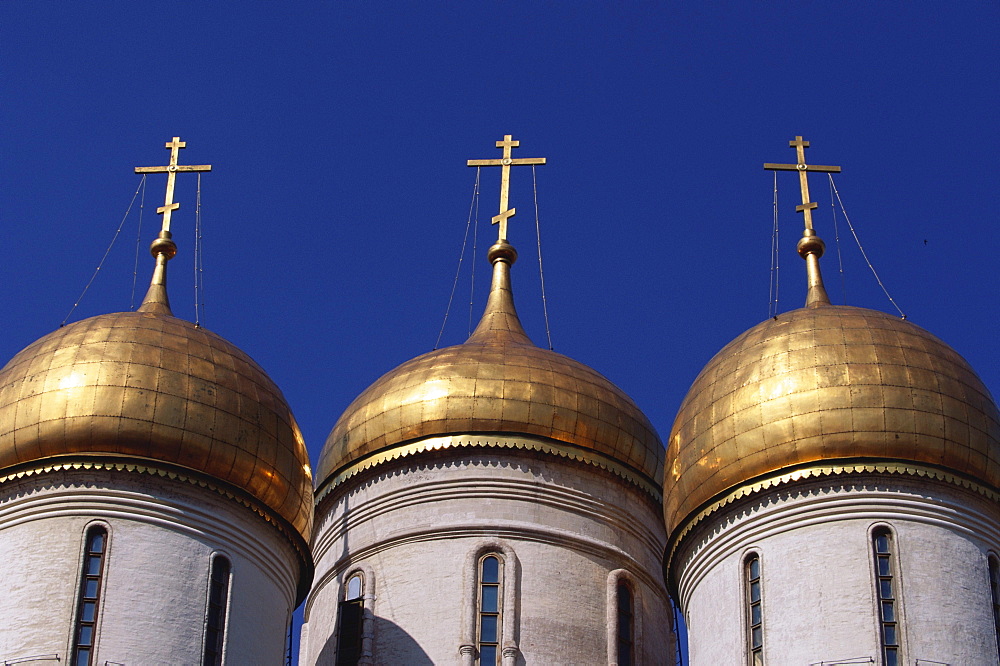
pixel 506 162
pixel 800 152
pixel 172 169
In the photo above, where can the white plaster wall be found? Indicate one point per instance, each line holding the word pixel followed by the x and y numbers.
pixel 162 535
pixel 414 525
pixel 818 574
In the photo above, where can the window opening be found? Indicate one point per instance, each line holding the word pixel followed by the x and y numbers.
pixel 755 611
pixel 351 618
pixel 91 580
pixel 994 565
pixel 490 573
pixel 888 608
pixel 215 620
pixel 626 629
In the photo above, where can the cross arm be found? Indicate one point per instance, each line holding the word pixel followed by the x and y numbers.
pixel 520 160
pixel 807 167
pixel 162 169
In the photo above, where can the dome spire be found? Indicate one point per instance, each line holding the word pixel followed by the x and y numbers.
pixel 163 248
pixel 810 246
pixel 500 320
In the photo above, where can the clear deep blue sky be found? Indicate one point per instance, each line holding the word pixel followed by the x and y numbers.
pixel 338 134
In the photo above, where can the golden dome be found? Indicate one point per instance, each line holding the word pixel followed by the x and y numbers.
pixel 146 387
pixel 827 383
pixel 496 383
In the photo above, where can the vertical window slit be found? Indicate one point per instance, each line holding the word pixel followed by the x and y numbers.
pixel 351 618
pixel 626 627
pixel 755 611
pixel 91 582
pixel 490 582
pixel 888 604
pixel 215 621
pixel 994 565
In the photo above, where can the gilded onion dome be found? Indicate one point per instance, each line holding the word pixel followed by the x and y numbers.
pixel 822 390
pixel 825 384
pixel 150 392
pixel 495 386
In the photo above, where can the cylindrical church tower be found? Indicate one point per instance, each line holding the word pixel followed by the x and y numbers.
pixel 832 492
pixel 155 495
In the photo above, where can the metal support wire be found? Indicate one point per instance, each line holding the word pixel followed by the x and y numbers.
pixel 541 273
pixel 840 257
pixel 106 253
pixel 772 296
pixel 473 206
pixel 138 240
pixel 863 253
pixel 475 254
pixel 199 285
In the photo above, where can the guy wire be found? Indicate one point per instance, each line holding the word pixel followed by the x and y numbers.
pixel 106 253
pixel 138 239
pixel 772 296
pixel 840 257
pixel 199 275
pixel 541 273
pixel 863 253
pixel 473 205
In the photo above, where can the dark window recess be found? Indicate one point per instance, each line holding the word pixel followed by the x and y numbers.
pixel 755 612
pixel 489 610
pixel 84 634
pixel 218 597
pixel 352 615
pixel 626 627
pixel 995 589
pixel 887 601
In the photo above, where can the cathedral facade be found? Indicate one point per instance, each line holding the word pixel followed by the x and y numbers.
pixel 829 494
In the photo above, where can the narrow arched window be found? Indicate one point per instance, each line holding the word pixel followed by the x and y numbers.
pixel 994 565
pixel 626 624
pixel 215 616
pixel 624 618
pixel 888 602
pixel 490 585
pixel 755 610
pixel 91 582
pixel 351 618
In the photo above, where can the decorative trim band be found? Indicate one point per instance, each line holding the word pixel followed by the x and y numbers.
pixel 868 500
pixel 77 463
pixel 184 511
pixel 475 485
pixel 816 472
pixel 517 442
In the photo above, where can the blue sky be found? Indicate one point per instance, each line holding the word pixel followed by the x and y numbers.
pixel 338 134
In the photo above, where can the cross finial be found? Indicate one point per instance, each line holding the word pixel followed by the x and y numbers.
pixel 810 246
pixel 800 152
pixel 505 162
pixel 171 170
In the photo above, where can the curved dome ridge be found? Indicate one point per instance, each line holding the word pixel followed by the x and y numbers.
pixel 828 383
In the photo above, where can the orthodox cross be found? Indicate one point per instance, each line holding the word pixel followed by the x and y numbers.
pixel 171 170
pixel 505 162
pixel 800 152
